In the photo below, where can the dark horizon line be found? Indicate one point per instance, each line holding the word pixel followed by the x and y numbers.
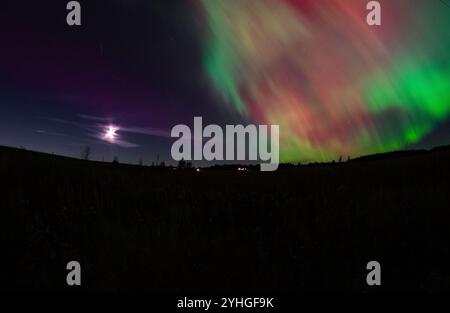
pixel 368 157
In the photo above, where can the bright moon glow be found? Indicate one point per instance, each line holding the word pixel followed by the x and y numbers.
pixel 110 133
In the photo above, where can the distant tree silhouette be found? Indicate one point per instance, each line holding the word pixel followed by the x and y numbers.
pixel 181 164
pixel 115 160
pixel 86 153
pixel 141 162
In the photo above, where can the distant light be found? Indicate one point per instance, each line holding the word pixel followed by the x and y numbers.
pixel 197 170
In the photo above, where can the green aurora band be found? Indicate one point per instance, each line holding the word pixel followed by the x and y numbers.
pixel 336 86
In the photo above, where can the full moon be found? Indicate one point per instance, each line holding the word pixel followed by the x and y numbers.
pixel 110 133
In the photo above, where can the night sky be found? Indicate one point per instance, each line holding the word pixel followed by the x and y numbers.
pixel 336 86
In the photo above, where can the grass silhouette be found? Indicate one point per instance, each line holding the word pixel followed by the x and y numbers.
pixel 304 228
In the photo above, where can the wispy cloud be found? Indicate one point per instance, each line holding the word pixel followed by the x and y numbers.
pixel 95 118
pixel 44 132
pixel 95 127
pixel 98 139
pixel 150 131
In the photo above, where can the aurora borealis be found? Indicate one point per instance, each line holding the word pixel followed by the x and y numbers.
pixel 335 85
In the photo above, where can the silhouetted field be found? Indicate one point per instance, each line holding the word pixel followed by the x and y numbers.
pixel 302 228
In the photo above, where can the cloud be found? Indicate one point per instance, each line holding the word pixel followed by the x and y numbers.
pixel 44 132
pixel 95 118
pixel 96 126
pixel 150 131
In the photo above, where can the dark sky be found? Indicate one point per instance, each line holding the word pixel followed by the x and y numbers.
pixel 135 64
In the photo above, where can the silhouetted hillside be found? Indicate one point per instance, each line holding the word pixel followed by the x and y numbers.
pixel 297 229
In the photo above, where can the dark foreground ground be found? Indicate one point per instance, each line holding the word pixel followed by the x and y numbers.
pixel 299 229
